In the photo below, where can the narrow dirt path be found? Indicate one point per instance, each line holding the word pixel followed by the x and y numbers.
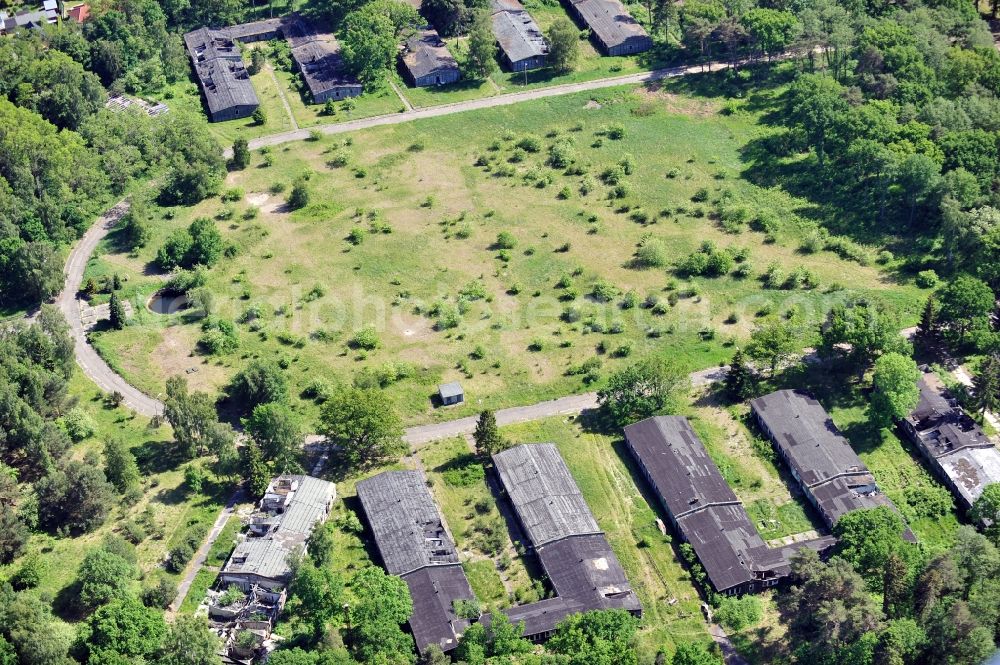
pixel 281 95
pixel 402 97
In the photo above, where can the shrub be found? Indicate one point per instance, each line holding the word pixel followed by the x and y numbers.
pixel 530 144
pixel 604 291
pixel 366 338
pixel 506 240
pixel 615 132
pixel 927 279
pixel 700 195
pixel 78 423
pixel 652 253
pixel 737 614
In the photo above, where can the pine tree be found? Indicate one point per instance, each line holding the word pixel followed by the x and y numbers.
pixel 117 317
pixel 487 435
pixel 927 329
pixel 258 477
pixel 894 586
pixel 986 385
pixel 739 378
pixel 241 153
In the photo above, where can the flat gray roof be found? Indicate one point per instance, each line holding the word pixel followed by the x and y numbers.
pixel 703 506
pixel 543 492
pixel 453 389
pixel 306 503
pixel 820 457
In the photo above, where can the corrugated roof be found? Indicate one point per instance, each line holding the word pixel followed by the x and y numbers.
pixel 609 20
pixel 267 555
pixel 518 35
pixel 544 493
pixel 406 523
pixel 426 55
pixel 703 506
pixel 573 552
pixel 414 544
pixel 220 70
pixel 822 459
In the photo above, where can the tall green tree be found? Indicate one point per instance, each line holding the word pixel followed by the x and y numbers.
pixel 816 104
pixel 125 627
pixel 481 59
pixel 241 151
pixel 487 436
pixel 278 433
pixel 773 342
pixel 986 384
pixel 119 465
pixel 867 538
pixel 192 416
pixel 190 642
pixel 858 332
pixel 117 312
pixel 382 605
pixel 894 389
pixel 986 509
pixel 363 424
pixel 319 592
pixel 966 303
pixel 644 389
pixel 564 45
pixel 740 378
pixel 599 637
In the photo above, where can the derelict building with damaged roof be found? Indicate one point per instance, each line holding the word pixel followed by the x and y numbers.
pixel 571 548
pixel 956 447
pixel 522 44
pixel 415 546
pixel 831 474
pixel 704 510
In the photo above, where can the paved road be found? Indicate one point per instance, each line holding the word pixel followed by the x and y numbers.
pixel 569 405
pixel 487 102
pixel 202 554
pixel 93 365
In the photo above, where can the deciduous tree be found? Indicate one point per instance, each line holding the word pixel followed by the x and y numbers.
pixel 363 423
pixel 642 390
pixel 564 45
pixel 894 389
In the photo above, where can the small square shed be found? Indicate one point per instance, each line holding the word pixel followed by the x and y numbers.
pixel 451 393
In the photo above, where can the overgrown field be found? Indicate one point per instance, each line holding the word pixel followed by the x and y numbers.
pixel 527 251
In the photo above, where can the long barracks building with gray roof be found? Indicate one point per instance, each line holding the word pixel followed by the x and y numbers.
pixel 831 474
pixel 574 554
pixel 705 512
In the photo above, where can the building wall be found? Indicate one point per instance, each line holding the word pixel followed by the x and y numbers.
pixel 234 112
pixel 439 78
pixel 526 64
pixel 338 92
pixel 635 44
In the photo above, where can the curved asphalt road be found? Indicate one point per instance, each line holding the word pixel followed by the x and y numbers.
pixel 93 366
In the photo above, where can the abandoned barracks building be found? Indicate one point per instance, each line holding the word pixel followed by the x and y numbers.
pixel 572 550
pixel 955 446
pixel 831 474
pixel 281 525
pixel 705 512
pixel 225 82
pixel 613 29
pixel 415 546
pixel 522 45
pixel 426 60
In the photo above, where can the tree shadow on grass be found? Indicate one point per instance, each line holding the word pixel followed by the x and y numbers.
pixel 155 456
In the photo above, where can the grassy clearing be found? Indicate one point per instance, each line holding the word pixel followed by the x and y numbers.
pixel 225 543
pixel 196 593
pixel 621 503
pixel 494 564
pixel 426 220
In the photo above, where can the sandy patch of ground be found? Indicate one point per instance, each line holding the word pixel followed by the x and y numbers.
pixel 174 356
pixel 258 198
pixel 698 108
pixel 592 105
